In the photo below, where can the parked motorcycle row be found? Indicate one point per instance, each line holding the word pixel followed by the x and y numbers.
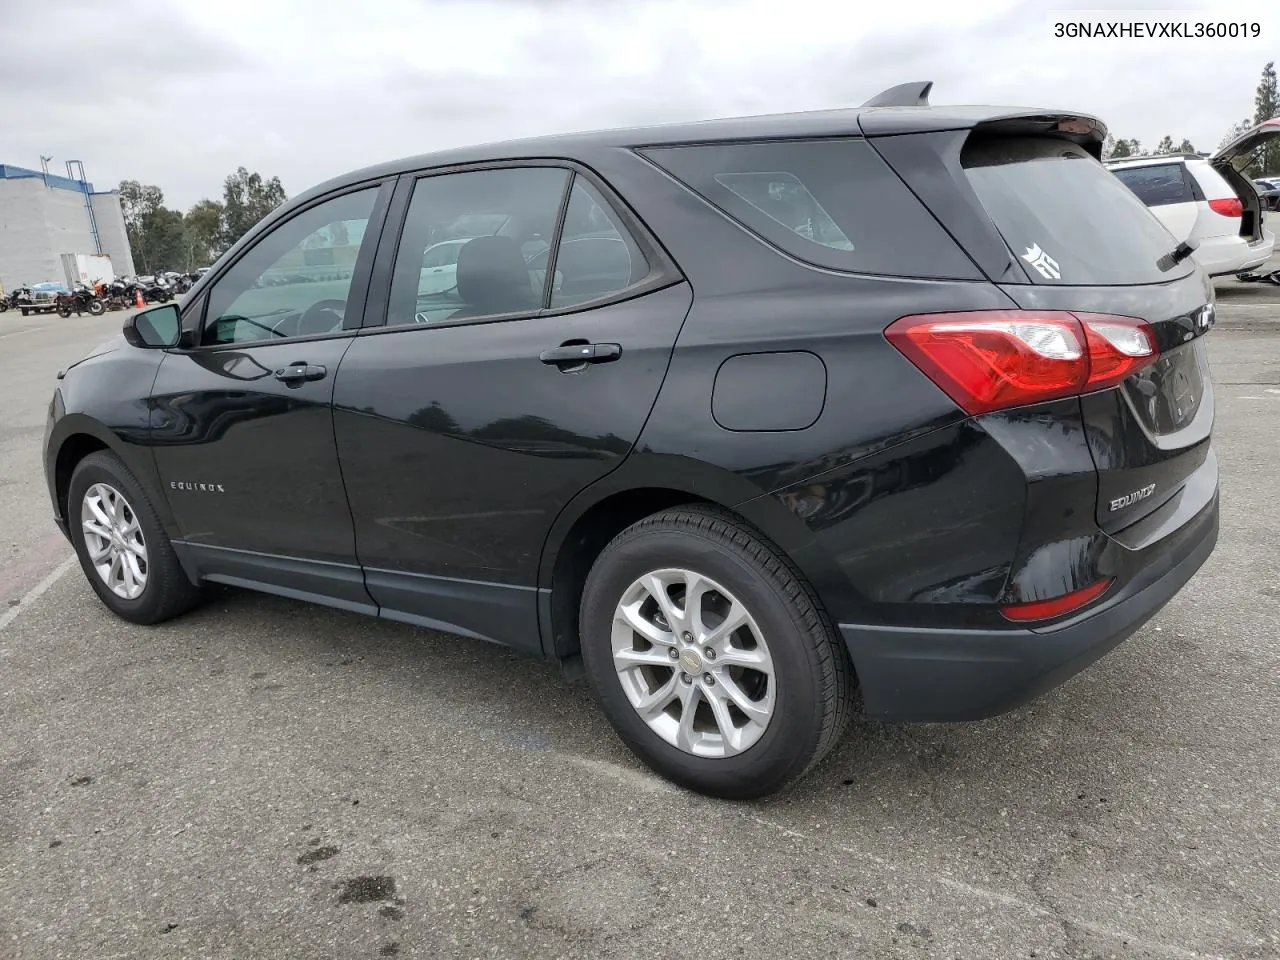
pixel 118 294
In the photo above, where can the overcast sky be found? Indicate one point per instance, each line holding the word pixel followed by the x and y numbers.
pixel 305 89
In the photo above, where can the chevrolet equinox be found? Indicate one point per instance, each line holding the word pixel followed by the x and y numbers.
pixel 749 415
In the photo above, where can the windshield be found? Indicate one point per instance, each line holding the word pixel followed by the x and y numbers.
pixel 1069 220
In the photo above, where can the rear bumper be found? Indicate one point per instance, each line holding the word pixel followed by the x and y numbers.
pixel 933 675
pixel 1225 255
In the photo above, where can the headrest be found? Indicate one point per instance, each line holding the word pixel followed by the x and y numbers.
pixel 492 276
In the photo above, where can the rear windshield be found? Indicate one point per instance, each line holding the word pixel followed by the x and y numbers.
pixel 832 203
pixel 1065 216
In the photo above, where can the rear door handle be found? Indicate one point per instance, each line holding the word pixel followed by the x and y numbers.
pixel 300 372
pixel 575 353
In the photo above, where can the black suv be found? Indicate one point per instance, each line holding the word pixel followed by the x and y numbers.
pixel 750 414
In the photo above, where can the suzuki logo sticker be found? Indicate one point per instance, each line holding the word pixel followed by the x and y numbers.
pixel 1044 263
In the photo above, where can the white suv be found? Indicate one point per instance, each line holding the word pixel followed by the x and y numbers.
pixel 1207 202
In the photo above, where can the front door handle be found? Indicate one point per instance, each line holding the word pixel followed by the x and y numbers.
pixel 300 372
pixel 573 354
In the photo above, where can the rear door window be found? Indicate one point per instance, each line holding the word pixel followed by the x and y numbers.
pixel 832 203
pixel 597 257
pixel 1157 185
pixel 1067 218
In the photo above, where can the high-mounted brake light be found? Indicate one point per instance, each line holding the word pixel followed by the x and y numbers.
pixel 1231 207
pixel 1056 607
pixel 990 360
pixel 1075 126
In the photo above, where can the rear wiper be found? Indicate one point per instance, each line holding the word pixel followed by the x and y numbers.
pixel 1172 259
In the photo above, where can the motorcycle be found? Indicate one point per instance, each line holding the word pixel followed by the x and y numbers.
pixel 157 291
pixel 178 282
pixel 21 299
pixel 115 294
pixel 80 300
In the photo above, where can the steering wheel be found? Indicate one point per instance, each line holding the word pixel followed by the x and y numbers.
pixel 324 316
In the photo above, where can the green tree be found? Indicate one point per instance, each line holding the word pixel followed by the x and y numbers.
pixel 138 202
pixel 247 198
pixel 1124 148
pixel 1235 131
pixel 157 236
pixel 1165 145
pixel 1186 146
pixel 1266 104
pixel 164 241
pixel 203 224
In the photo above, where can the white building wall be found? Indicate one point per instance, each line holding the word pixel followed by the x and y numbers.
pixel 66 221
pixel 26 254
pixel 115 240
pixel 38 224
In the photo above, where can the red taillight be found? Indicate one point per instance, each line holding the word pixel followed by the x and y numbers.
pixel 1046 609
pixel 1118 347
pixel 993 359
pixel 1227 208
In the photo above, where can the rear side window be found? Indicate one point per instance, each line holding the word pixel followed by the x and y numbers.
pixel 1065 216
pixel 831 203
pixel 597 256
pixel 1157 185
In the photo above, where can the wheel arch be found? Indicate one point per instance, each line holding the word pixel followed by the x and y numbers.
pixel 76 436
pixel 647 484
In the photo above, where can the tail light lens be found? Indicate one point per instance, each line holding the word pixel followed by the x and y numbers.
pixel 1227 208
pixel 1047 609
pixel 995 359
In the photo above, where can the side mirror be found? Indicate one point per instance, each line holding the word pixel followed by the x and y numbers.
pixel 155 329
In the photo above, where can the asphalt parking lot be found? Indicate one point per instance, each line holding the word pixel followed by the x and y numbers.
pixel 269 779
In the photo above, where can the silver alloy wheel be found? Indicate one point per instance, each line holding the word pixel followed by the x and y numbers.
pixel 114 541
pixel 693 663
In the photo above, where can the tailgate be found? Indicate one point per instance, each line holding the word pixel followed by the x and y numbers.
pixel 1152 432
pixel 1088 245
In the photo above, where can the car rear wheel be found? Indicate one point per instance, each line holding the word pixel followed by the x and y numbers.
pixel 711 657
pixel 122 546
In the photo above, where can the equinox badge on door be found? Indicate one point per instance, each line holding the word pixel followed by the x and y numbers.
pixel 1129 499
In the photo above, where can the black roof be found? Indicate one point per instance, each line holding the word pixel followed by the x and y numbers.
pixel 910 113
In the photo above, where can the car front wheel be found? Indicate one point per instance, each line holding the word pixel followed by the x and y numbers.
pixel 121 544
pixel 711 657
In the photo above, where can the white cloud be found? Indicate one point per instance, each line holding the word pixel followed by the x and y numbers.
pixel 306 89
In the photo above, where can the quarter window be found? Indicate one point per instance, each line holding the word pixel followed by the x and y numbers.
pixel 832 203
pixel 294 282
pixel 471 244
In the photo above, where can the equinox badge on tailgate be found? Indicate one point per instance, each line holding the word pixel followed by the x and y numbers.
pixel 1129 499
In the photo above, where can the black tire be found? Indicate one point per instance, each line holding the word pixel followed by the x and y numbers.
pixel 64 312
pixel 97 308
pixel 167 592
pixel 25 311
pixel 813 675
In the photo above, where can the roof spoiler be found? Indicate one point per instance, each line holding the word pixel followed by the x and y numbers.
pixel 914 94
